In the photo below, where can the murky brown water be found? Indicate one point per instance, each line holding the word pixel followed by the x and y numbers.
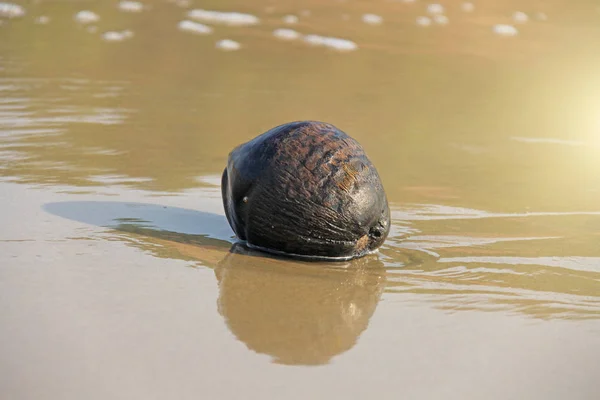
pixel 118 278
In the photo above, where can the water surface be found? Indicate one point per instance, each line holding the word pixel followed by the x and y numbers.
pixel 120 277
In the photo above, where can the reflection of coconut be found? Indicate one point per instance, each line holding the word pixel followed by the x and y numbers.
pixel 299 313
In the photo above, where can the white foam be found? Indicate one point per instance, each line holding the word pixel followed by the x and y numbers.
pixel 42 20
pixel 10 10
pixel 315 40
pixel 372 19
pixel 505 30
pixel 520 17
pixel 467 7
pixel 435 9
pixel 114 36
pixel 226 18
pixel 228 45
pixel 194 27
pixel 86 17
pixel 130 6
pixel 181 3
pixel 423 21
pixel 286 34
pixel 290 19
pixel 440 19
pixel 331 42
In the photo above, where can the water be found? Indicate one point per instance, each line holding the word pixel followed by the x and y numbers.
pixel 118 278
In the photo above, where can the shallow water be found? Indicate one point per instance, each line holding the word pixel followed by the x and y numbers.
pixel 119 277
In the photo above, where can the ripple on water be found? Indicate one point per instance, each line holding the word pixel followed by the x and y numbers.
pixel 497 272
pixel 590 264
pixel 563 142
pixel 433 242
pixel 21 111
pixel 116 179
pixel 39 115
pixel 432 212
pixel 499 289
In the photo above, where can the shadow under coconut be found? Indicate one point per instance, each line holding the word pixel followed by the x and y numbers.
pixel 299 313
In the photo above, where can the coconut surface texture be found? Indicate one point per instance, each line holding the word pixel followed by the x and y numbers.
pixel 305 190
